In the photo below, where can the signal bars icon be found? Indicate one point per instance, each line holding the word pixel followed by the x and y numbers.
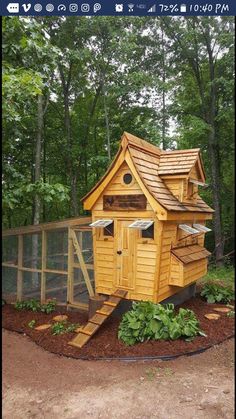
pixel 152 9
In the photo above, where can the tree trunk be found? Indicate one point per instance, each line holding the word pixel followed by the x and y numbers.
pixel 215 163
pixel 36 214
pixel 107 126
pixel 163 91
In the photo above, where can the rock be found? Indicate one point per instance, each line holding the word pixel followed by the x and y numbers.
pixel 226 391
pixel 43 327
pixel 212 316
pixel 222 309
pixel 186 400
pixel 60 318
pixel 39 401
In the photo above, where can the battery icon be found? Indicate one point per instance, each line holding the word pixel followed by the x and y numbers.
pixel 183 8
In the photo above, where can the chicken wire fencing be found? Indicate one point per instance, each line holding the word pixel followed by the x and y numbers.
pixel 49 264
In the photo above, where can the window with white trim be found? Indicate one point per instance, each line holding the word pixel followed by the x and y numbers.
pixel 188 229
pixel 201 227
pixel 141 224
pixel 101 223
pixel 146 227
pixel 107 225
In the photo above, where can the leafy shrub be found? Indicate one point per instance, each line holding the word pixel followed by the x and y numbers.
pixel 32 324
pixel 216 293
pixel 147 320
pixel 48 307
pixel 59 328
pixel 34 305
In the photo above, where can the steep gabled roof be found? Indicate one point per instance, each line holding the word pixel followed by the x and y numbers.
pixel 150 162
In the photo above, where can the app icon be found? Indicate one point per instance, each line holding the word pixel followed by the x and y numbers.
pixel 13 7
pixel 97 7
pixel 26 7
pixel 85 7
pixel 73 7
pixel 38 7
pixel 49 7
pixel 61 8
pixel 131 7
pixel 119 8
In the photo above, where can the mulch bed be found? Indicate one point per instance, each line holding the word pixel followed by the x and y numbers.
pixel 105 344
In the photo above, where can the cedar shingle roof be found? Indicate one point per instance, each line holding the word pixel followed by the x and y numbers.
pixel 180 162
pixel 151 163
pixel 148 166
pixel 191 253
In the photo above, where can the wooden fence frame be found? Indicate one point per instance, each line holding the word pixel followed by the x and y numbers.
pixel 72 225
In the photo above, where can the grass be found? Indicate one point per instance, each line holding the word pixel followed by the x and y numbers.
pixel 224 275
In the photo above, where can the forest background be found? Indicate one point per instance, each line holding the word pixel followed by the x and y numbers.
pixel 72 85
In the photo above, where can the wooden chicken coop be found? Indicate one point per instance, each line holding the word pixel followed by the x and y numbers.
pixel 149 221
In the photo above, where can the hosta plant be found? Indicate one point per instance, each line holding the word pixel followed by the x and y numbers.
pixel 216 293
pixel 34 305
pixel 149 321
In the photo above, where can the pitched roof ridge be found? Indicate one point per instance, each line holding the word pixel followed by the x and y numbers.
pixel 171 152
pixel 139 143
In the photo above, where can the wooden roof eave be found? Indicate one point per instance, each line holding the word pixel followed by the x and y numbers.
pixel 93 195
pixel 160 211
pixel 199 163
pixel 192 216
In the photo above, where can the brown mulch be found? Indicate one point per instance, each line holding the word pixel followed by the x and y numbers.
pixel 105 344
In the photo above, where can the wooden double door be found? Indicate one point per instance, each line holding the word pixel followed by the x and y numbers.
pixel 125 254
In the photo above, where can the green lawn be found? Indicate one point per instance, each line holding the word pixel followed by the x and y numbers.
pixel 223 274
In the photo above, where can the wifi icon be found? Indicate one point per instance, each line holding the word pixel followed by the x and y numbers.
pixel 152 9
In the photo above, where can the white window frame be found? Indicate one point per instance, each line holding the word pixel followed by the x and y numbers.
pixel 137 224
pixel 101 223
pixel 188 229
pixel 197 182
pixel 202 228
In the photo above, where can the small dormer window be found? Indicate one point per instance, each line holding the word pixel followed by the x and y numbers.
pixel 190 190
pixel 127 178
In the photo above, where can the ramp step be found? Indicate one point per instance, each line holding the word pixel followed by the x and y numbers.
pixel 109 303
pixel 119 293
pixel 97 319
pixel 80 340
pixel 90 328
pixel 105 310
pixel 113 299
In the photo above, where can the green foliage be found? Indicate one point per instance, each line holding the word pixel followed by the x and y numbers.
pixel 231 313
pixel 216 293
pixel 48 307
pixel 60 328
pixel 152 321
pixel 32 324
pixel 34 305
pixel 129 63
pixel 224 275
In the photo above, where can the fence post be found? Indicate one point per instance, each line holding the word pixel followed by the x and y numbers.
pixel 70 268
pixel 44 266
pixel 19 266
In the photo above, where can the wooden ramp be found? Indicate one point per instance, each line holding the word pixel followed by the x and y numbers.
pixel 98 319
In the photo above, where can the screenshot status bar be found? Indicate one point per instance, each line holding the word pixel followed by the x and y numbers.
pixel 117 8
